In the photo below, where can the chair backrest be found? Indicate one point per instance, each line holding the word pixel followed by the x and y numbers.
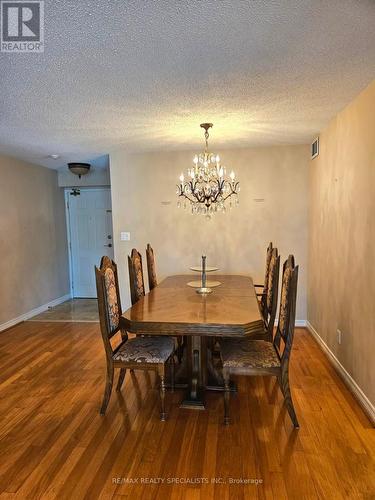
pixel 151 271
pixel 109 303
pixel 270 299
pixel 137 285
pixel 287 312
pixel 266 274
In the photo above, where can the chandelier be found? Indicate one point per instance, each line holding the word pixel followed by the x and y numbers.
pixel 207 187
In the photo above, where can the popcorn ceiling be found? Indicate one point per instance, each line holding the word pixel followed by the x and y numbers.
pixel 142 75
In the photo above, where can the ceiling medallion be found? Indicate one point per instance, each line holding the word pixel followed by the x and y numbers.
pixel 207 187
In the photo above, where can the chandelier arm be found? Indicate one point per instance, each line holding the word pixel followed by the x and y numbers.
pixel 219 191
pixel 233 191
pixel 199 199
pixel 195 194
pixel 187 198
pixel 181 193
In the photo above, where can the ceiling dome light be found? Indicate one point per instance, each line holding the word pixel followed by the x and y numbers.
pixel 79 168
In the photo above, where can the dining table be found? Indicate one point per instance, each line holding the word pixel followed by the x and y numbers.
pixel 173 308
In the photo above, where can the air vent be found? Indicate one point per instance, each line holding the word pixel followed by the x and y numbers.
pixel 315 148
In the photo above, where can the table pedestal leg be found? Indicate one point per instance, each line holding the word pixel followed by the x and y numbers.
pixel 196 357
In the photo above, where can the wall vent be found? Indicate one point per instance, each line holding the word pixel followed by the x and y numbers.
pixel 315 148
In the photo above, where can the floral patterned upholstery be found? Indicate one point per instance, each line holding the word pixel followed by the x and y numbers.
pixel 150 349
pixel 287 275
pixel 263 299
pixel 268 260
pixel 112 302
pixel 138 275
pixel 244 353
pixel 271 279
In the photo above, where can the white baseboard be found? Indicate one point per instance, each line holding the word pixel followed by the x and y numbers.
pixel 34 312
pixel 352 385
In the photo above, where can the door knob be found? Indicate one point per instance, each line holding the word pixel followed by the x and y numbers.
pixel 109 245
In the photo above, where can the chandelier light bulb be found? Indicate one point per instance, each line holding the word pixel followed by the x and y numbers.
pixel 182 178
pixel 232 175
pixel 195 160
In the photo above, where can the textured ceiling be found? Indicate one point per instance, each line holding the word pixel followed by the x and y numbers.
pixel 143 74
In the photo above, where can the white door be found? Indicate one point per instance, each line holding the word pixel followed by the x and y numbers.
pixel 91 237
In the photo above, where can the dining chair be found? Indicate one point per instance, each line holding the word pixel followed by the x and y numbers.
pixel 137 284
pixel 243 356
pixel 150 257
pixel 269 307
pixel 145 353
pixel 263 294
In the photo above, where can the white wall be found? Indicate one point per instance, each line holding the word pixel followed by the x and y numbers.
pixel 236 241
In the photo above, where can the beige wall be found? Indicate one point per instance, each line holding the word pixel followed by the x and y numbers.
pixel 235 241
pixel 341 287
pixel 33 246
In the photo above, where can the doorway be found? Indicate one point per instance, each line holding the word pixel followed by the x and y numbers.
pixel 90 236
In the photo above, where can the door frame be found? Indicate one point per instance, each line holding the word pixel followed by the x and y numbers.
pixel 67 195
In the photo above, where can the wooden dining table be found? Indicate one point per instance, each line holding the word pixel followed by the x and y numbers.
pixel 174 308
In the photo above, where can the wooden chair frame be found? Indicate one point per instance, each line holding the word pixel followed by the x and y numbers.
pixel 286 335
pixel 107 334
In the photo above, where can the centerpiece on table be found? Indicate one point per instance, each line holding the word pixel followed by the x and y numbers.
pixel 204 286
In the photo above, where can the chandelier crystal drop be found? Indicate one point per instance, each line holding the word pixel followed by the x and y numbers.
pixel 207 188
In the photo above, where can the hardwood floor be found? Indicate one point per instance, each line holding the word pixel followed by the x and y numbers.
pixel 54 443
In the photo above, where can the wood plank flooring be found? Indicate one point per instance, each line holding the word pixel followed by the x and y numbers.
pixel 54 443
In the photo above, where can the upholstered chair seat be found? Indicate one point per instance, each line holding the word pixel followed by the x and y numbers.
pixel 155 349
pixel 244 353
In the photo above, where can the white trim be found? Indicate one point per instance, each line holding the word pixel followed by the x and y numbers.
pixel 352 385
pixel 67 218
pixel 34 312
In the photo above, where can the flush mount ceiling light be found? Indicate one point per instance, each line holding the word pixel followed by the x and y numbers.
pixel 79 168
pixel 207 187
pixel 54 156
